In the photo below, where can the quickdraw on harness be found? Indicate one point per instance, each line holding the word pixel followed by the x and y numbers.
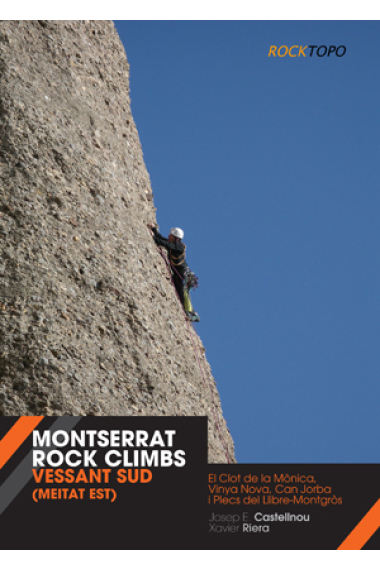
pixel 190 280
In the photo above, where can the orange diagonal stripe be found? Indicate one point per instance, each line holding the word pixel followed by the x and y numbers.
pixel 363 530
pixel 16 436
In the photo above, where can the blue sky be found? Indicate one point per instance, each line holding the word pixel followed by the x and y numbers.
pixel 271 167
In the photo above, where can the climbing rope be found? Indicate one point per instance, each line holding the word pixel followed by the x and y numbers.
pixel 198 360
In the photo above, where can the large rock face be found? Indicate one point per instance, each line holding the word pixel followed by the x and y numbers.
pixel 90 322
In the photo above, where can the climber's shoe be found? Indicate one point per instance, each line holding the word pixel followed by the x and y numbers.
pixel 193 316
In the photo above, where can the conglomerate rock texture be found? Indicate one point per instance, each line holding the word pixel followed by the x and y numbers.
pixel 89 321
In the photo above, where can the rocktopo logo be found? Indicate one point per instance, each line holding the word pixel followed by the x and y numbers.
pixel 299 51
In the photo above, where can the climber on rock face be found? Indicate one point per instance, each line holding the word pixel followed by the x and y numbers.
pixel 180 270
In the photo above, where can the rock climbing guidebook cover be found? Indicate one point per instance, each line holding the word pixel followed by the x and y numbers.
pixel 144 483
pixel 276 129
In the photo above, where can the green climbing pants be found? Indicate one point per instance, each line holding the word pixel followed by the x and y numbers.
pixel 186 301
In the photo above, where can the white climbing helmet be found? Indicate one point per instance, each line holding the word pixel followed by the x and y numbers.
pixel 177 232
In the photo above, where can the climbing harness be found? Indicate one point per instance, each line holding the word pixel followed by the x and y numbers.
pixel 176 261
pixel 197 357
